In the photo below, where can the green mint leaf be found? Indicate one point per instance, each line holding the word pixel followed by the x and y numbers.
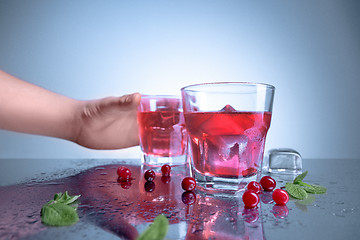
pixel 61 211
pixel 64 198
pixel 59 214
pixel 157 230
pixel 307 187
pixel 296 191
pixel 315 189
pixel 67 199
pixel 300 177
pixel 57 196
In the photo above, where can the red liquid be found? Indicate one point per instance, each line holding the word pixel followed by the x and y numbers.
pixel 162 133
pixel 227 144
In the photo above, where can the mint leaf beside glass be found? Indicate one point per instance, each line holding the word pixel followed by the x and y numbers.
pixel 296 191
pixel 300 190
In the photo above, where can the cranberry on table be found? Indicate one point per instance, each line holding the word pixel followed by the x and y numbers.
pixel 254 186
pixel 166 169
pixel 268 183
pixel 124 173
pixel 188 184
pixel 280 197
pixel 250 199
pixel 149 175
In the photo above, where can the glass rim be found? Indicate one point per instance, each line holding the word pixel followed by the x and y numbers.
pixel 263 85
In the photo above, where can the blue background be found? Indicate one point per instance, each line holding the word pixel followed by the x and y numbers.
pixel 309 50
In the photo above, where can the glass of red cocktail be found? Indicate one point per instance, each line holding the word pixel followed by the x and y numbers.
pixel 163 138
pixel 227 123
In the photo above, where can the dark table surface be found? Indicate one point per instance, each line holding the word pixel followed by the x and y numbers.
pixel 110 210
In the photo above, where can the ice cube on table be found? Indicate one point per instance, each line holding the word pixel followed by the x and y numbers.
pixel 228 108
pixel 283 160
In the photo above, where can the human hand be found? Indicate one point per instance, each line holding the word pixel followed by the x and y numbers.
pixel 108 123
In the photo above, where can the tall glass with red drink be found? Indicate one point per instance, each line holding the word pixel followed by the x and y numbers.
pixel 163 138
pixel 227 124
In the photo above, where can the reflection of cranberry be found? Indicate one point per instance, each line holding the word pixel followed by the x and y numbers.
pixel 266 197
pixel 125 184
pixel 149 186
pixel 166 179
pixel 149 175
pixel 280 211
pixel 188 198
pixel 250 215
pixel 249 172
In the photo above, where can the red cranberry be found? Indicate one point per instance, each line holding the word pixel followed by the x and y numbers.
pixel 188 184
pixel 268 183
pixel 254 186
pixel 250 199
pixel 149 175
pixel 124 173
pixel 166 169
pixel 280 197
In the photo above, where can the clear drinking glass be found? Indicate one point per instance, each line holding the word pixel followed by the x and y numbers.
pixel 227 123
pixel 163 138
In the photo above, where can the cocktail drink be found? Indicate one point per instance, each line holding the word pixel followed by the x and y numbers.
pixel 242 136
pixel 227 124
pixel 163 137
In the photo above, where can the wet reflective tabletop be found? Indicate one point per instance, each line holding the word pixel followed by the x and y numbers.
pixel 111 210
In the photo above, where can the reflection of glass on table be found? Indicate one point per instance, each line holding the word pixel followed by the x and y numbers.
pixel 216 217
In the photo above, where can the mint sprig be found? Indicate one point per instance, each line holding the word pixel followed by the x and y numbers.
pixel 296 191
pixel 61 211
pixel 300 190
pixel 157 230
pixel 300 177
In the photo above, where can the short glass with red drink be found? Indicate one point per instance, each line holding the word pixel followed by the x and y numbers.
pixel 163 138
pixel 227 124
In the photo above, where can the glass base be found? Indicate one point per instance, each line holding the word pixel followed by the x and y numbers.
pixel 284 171
pixel 155 161
pixel 220 185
